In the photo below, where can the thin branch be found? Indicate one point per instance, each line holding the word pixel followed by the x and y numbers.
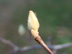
pixel 15 48
pixel 26 48
pixel 40 41
pixel 55 47
pixel 7 42
pixel 61 46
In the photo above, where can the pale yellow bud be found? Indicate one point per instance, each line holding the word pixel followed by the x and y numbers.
pixel 33 21
pixel 21 30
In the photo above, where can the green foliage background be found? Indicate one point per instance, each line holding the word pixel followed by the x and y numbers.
pixel 55 17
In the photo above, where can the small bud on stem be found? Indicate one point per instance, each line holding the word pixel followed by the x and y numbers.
pixel 33 26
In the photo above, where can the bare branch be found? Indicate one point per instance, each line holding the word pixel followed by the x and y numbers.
pixel 61 46
pixel 7 42
pixel 26 48
pixel 55 47
pixel 15 48
pixel 40 41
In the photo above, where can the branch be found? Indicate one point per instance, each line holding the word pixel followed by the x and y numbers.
pixel 26 48
pixel 55 47
pixel 15 48
pixel 61 46
pixel 40 41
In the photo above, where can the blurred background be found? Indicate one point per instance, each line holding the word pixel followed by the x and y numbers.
pixel 55 18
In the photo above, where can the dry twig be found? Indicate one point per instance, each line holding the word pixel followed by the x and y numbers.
pixel 26 48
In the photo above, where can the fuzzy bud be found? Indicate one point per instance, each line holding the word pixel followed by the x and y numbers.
pixel 33 23
pixel 21 30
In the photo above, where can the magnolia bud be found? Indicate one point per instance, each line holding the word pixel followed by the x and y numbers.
pixel 21 30
pixel 33 21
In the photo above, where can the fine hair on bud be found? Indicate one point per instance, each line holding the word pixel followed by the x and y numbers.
pixel 33 21
pixel 21 30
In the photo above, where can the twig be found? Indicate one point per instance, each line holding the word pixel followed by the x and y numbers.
pixel 54 47
pixel 61 46
pixel 26 48
pixel 8 42
pixel 40 41
pixel 15 48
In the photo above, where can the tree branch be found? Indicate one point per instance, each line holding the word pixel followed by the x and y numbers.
pixel 15 48
pixel 26 48
pixel 55 47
